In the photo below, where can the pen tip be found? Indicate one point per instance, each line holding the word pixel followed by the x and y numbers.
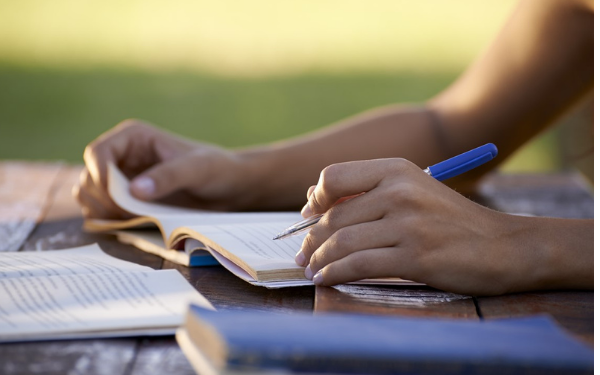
pixel 281 235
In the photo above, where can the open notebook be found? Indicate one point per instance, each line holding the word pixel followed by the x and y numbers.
pixel 241 242
pixel 85 293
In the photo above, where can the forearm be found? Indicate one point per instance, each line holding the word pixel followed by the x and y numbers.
pixel 286 169
pixel 540 65
pixel 552 254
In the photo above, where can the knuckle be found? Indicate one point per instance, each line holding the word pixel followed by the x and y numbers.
pixel 166 176
pixel 318 260
pixel 131 123
pixel 358 265
pixel 309 245
pixel 401 165
pixel 327 223
pixel 343 239
pixel 76 193
pixel 89 153
pixel 409 191
pixel 334 216
pixel 330 176
pixel 83 176
pixel 404 194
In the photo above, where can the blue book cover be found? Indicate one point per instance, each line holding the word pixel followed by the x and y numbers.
pixel 352 343
pixel 202 259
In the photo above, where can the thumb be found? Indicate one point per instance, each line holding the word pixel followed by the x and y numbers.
pixel 162 179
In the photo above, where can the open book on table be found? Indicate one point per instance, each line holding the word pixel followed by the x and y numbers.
pixel 241 242
pixel 85 293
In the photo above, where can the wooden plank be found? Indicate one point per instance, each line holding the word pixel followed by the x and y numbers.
pixel 61 228
pixel 573 310
pixel 67 357
pixel 418 301
pixel 564 195
pixel 555 195
pixel 24 189
pixel 161 356
pixel 224 291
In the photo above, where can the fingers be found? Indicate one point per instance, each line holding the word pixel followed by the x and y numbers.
pixel 90 207
pixel 164 178
pixel 362 201
pixel 94 201
pixel 350 240
pixel 310 191
pixel 363 209
pixel 348 179
pixel 366 264
pixel 114 145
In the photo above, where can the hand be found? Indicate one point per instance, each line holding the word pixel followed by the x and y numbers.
pixel 406 224
pixel 160 164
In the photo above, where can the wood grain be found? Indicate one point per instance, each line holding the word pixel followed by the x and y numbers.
pixel 161 356
pixel 554 195
pixel 418 301
pixel 226 291
pixel 60 226
pixel 573 310
pixel 24 191
pixel 102 357
pixel 564 195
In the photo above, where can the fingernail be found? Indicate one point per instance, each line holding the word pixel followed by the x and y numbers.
pixel 144 185
pixel 318 278
pixel 306 211
pixel 308 273
pixel 300 258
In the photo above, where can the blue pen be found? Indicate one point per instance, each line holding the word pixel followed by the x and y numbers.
pixel 441 171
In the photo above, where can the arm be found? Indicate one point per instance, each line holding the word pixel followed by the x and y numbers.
pixel 539 66
pixel 541 63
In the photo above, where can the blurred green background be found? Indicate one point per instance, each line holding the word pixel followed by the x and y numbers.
pixel 231 72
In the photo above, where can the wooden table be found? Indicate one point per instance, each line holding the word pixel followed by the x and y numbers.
pixel 38 213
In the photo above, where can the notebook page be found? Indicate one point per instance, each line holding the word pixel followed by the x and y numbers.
pixel 253 243
pixel 173 217
pixel 85 259
pixel 47 304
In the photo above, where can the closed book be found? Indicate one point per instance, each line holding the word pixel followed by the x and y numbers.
pixel 257 341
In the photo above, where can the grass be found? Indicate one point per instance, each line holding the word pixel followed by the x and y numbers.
pixel 52 114
pixel 229 72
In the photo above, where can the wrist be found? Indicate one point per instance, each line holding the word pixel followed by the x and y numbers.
pixel 267 186
pixel 551 253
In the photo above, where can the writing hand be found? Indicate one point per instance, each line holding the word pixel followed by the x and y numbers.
pixel 406 224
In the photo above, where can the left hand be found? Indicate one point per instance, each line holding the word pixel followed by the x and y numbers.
pixel 407 224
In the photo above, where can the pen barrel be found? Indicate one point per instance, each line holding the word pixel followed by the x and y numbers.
pixel 463 162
